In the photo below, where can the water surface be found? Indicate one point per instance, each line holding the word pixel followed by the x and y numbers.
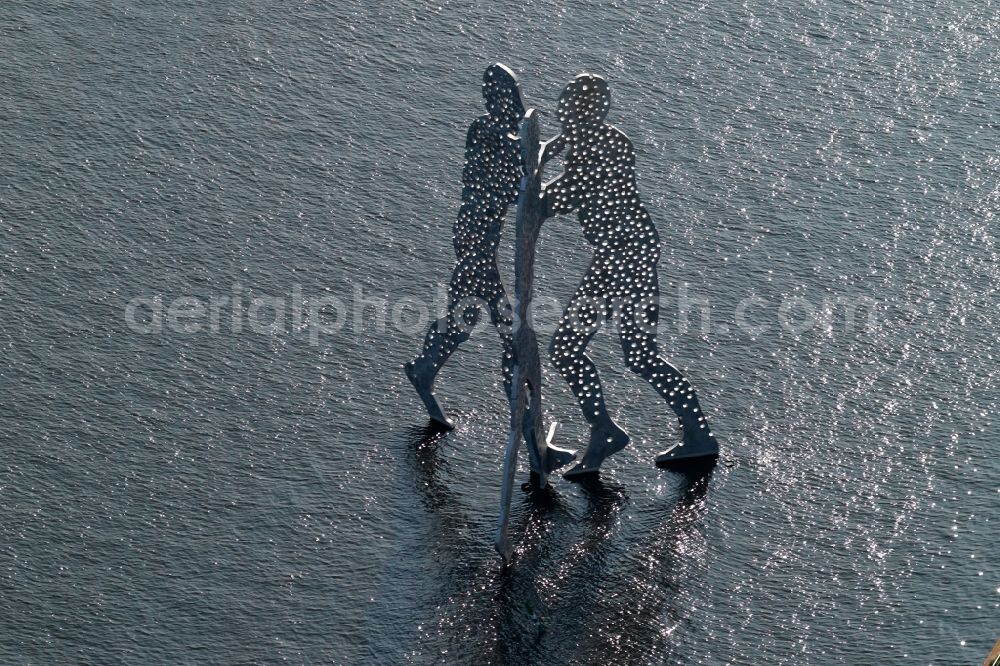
pixel 231 496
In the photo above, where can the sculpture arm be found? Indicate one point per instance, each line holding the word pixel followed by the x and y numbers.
pixel 551 148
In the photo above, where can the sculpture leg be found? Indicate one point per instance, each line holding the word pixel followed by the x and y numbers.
pixel 445 335
pixel 502 543
pixel 501 318
pixel 637 333
pixel 582 318
pixel 546 457
pixel 531 425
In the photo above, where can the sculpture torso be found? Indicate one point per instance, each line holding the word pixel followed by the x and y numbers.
pixel 600 184
pixel 490 179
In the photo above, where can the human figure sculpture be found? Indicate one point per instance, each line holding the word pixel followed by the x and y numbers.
pixel 599 183
pixel 490 179
pixel 526 389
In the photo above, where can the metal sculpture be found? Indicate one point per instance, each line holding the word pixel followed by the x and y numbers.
pixel 490 180
pixel 526 387
pixel 599 184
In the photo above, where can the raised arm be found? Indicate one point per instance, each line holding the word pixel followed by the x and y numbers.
pixel 555 192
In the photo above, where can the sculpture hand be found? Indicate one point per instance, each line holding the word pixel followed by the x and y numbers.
pixel 551 148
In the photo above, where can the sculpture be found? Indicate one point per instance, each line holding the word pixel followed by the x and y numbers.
pixel 598 182
pixel 526 387
pixel 490 179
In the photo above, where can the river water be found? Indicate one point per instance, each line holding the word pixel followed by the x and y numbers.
pixel 186 480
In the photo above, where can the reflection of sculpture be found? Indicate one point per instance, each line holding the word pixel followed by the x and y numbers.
pixel 599 183
pixel 490 184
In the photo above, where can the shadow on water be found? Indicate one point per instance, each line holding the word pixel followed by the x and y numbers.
pixel 646 593
pixel 617 596
pixel 428 467
pixel 449 524
pixel 455 536
pixel 584 582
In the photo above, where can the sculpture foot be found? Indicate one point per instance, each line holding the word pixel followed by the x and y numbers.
pixel 689 465
pixel 556 458
pixel 580 472
pixel 436 427
pixel 604 442
pixel 423 386
pixel 698 447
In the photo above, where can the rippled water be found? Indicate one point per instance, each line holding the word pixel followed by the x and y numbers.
pixel 231 496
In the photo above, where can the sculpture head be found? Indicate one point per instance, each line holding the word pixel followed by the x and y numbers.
pixel 584 101
pixel 502 95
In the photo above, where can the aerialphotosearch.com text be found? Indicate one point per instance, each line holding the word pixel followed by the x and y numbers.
pixel 323 315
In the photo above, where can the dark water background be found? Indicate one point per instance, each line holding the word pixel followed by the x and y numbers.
pixel 233 497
